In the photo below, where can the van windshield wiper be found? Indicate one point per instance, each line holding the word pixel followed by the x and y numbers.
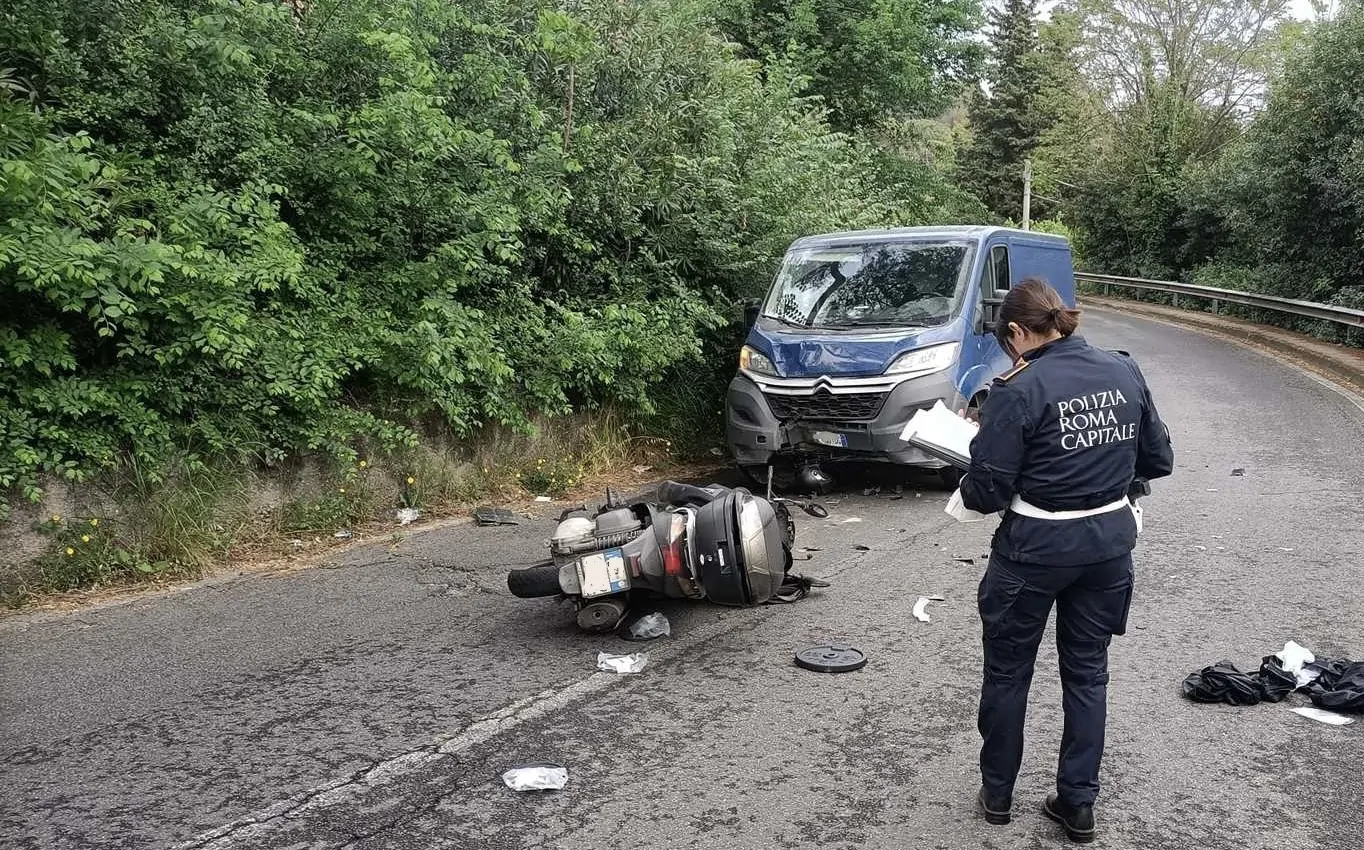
pixel 876 323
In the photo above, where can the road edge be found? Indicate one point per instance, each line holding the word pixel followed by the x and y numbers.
pixel 1336 367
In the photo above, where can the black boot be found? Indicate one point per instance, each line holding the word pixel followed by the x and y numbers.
pixel 996 808
pixel 1077 820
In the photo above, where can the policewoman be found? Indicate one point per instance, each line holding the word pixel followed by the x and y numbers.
pixel 1064 436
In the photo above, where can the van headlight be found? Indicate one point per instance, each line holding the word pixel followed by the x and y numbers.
pixel 753 360
pixel 925 361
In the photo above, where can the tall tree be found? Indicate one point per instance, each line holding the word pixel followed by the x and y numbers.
pixel 1004 119
pixel 867 59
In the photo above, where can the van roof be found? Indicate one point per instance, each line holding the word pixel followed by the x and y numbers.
pixel 955 231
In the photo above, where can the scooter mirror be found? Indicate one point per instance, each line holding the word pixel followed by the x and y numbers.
pixel 815 510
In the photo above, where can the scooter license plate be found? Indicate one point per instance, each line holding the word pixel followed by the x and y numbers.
pixel 829 438
pixel 603 573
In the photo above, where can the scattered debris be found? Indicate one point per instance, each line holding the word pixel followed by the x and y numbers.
pixel 831 658
pixel 494 516
pixel 1324 716
pixel 650 626
pixel 861 548
pixel 1284 549
pixel 961 560
pixel 1334 684
pixel 640 470
pixel 717 451
pixel 343 534
pixel 851 519
pixel 872 491
pixel 632 663
pixel 813 549
pixel 543 499
pixel 1238 472
pixel 407 516
pixel 921 607
pixel 298 544
pixel 1212 489
pixel 1222 682
pixel 538 776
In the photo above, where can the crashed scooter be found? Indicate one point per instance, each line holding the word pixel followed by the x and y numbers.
pixel 714 543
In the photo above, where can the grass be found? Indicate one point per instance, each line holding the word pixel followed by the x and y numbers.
pixel 147 527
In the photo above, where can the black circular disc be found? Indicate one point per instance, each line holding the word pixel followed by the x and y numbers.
pixel 831 658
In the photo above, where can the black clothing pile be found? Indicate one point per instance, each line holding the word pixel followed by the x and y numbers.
pixel 1338 686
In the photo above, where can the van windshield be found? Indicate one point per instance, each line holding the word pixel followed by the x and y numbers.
pixel 890 284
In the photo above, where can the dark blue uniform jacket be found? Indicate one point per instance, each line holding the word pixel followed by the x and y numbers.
pixel 1070 429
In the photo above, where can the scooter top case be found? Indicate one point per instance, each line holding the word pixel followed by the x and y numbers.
pixel 739 549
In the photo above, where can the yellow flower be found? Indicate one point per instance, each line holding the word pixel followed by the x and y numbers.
pixel 411 480
pixel 85 538
pixel 94 522
pixel 341 489
pixel 364 463
pixel 70 551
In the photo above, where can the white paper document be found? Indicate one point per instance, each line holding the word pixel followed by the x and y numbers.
pixel 942 433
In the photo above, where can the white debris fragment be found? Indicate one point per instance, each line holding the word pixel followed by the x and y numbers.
pixel 407 516
pixel 536 777
pixel 1295 659
pixel 632 663
pixel 852 519
pixel 921 609
pixel 1324 716
pixel 543 499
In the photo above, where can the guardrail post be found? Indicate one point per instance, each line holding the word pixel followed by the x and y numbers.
pixel 1174 298
pixel 1107 291
pixel 1216 306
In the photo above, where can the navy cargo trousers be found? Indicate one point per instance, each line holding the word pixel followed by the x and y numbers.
pixel 1015 599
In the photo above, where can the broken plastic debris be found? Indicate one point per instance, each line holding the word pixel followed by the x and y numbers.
pixel 1238 472
pixel 632 663
pixel 543 499
pixel 494 516
pixel 1295 659
pixel 852 519
pixel 343 534
pixel 861 547
pixel 650 626
pixel 407 516
pixel 541 776
pixel 1324 716
pixel 641 469
pixel 921 609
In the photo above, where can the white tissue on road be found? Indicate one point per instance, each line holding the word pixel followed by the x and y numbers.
pixel 1295 657
pixel 632 663
pixel 536 777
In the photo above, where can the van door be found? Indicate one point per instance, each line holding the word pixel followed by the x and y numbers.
pixel 989 359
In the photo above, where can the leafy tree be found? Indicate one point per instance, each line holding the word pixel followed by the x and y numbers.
pixel 867 59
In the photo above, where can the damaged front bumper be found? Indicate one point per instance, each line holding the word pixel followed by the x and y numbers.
pixel 855 419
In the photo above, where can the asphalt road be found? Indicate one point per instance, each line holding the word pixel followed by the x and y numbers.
pixel 375 702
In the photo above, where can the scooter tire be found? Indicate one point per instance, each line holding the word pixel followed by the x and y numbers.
pixel 534 582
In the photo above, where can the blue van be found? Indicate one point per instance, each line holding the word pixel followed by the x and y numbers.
pixel 861 329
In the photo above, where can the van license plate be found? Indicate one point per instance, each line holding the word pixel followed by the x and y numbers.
pixel 828 438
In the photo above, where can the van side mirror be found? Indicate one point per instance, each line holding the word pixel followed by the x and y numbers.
pixel 992 305
pixel 751 312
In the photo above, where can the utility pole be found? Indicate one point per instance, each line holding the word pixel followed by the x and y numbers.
pixel 1027 193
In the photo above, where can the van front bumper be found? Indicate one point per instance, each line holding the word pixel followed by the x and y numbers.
pixel 756 434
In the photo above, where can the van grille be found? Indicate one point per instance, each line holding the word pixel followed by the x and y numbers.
pixel 826 406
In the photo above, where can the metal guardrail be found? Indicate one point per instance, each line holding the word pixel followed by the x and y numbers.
pixel 1347 316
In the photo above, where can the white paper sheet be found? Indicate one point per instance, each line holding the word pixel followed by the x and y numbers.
pixel 942 428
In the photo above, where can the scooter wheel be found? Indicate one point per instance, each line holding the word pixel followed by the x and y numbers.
pixel 534 582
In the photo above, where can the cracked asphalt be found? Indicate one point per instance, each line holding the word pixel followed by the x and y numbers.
pixel 375 701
